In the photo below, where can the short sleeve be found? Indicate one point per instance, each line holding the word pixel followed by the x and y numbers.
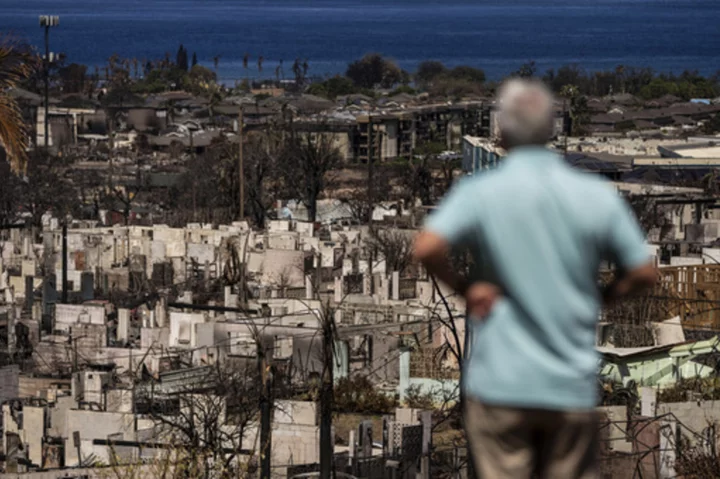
pixel 454 220
pixel 625 239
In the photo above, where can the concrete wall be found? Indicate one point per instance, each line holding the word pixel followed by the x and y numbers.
pixel 182 329
pixel 69 314
pixel 9 382
pixel 275 266
pixel 94 425
pixel 296 412
pixel 201 253
pixel 34 387
pixel 58 416
pixel 119 400
pixel 685 261
pixel 696 416
pixel 30 428
pixel 34 427
pixel 173 238
pixel 441 390
pixel 295 435
pixel 287 241
pixel 617 429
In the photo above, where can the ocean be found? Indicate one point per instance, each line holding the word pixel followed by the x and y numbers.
pixel 495 35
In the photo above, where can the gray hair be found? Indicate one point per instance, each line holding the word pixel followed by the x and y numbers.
pixel 525 112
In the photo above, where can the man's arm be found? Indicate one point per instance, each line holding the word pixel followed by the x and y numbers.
pixel 626 248
pixel 433 251
pixel 627 283
pixel 451 226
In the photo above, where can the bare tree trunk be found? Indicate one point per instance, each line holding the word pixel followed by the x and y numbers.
pixel 326 404
pixel 265 414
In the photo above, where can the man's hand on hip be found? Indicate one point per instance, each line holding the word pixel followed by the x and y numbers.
pixel 481 298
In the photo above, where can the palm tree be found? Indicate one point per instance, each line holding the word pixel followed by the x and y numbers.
pixel 579 111
pixel 16 62
pixel 620 75
pixel 246 59
pixel 297 71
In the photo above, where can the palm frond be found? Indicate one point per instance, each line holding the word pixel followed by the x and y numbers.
pixel 17 61
pixel 13 132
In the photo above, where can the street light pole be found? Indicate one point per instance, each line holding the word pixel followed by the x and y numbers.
pixel 241 166
pixel 47 21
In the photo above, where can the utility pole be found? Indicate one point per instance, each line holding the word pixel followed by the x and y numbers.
pixel 74 340
pixel 565 125
pixel 241 166
pixel 75 356
pixel 64 262
pixel 370 191
pixel 46 77
pixel 111 144
pixel 327 465
pixel 265 411
pixel 47 21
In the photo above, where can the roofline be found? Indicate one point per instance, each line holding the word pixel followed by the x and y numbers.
pixel 683 162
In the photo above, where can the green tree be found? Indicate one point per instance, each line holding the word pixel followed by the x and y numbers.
pixel 181 59
pixel 712 125
pixel 470 74
pixel 403 89
pixel 565 75
pixel 527 70
pixel 199 79
pixel 579 110
pixel 333 87
pixel 428 71
pixel 658 87
pixel 372 70
pixel 449 87
pixel 357 394
pixel 194 59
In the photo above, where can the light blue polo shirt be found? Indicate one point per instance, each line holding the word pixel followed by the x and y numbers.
pixel 539 229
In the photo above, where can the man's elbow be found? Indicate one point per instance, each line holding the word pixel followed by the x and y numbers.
pixel 428 246
pixel 645 277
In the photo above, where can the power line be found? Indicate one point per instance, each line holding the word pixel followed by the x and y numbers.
pixel 197 348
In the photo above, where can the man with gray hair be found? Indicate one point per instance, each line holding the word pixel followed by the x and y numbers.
pixel 537 232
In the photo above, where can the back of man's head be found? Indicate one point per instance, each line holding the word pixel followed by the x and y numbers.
pixel 525 113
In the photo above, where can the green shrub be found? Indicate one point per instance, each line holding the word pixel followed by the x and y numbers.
pixel 358 394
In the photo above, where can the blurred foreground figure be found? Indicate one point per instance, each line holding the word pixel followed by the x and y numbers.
pixel 537 232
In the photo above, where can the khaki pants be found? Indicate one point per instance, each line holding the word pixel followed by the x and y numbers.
pixel 523 443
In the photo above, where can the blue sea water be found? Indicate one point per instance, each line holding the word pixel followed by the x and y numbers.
pixel 496 35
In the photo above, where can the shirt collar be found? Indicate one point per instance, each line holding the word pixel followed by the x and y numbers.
pixel 533 155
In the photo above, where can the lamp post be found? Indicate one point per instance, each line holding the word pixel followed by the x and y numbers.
pixel 47 21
